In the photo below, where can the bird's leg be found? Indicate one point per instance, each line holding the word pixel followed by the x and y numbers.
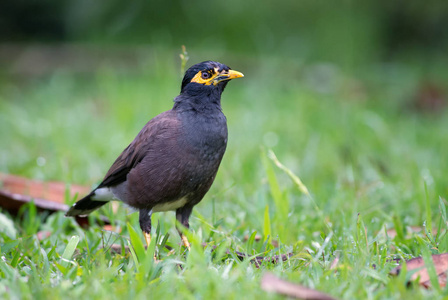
pixel 145 224
pixel 144 219
pixel 147 238
pixel 183 216
pixel 185 241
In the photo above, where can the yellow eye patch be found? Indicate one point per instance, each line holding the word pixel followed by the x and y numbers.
pixel 205 77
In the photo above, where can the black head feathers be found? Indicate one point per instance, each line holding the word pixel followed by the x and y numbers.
pixel 211 66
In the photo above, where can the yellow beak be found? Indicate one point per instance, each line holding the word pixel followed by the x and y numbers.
pixel 231 74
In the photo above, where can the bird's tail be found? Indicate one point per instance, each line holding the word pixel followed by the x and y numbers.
pixel 85 206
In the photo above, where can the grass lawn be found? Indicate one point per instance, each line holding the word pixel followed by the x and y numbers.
pixel 369 161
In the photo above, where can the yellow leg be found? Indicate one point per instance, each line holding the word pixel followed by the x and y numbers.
pixel 185 241
pixel 147 238
pixel 148 241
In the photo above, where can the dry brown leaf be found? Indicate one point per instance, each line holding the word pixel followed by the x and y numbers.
pixel 440 265
pixel 16 191
pixel 51 191
pixel 270 283
pixel 12 202
pixel 441 278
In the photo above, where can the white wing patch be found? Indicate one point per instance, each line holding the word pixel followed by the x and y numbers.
pixel 104 194
pixel 117 193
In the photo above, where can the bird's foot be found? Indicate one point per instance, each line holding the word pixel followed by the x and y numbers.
pixel 148 242
pixel 147 238
pixel 185 242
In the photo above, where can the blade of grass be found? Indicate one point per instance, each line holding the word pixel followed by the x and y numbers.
pixel 429 264
pixel 398 228
pixel 442 209
pixel 7 271
pixel 45 261
pixel 136 243
pixel 362 235
pixel 133 254
pixel 293 176
pixel 220 251
pixel 6 247
pixel 184 59
pixel 267 225
pixel 428 209
pixel 250 242
pixel 69 250
pixel 281 204
pixel 15 260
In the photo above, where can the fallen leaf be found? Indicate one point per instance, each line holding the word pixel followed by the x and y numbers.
pixel 52 191
pixel 270 283
pixel 441 278
pixel 16 191
pixel 440 264
pixel 12 202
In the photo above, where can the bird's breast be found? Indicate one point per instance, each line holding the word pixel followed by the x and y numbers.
pixel 179 167
pixel 206 136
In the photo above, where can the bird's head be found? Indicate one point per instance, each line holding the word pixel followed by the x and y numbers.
pixel 208 75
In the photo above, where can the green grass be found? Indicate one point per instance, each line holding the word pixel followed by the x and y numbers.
pixel 368 162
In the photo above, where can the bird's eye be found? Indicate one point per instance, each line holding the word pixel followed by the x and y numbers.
pixel 205 75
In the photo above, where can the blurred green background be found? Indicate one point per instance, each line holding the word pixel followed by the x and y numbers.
pixel 350 95
pixel 335 88
pixel 332 87
pixel 347 33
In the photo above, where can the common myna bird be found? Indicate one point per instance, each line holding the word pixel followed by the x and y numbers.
pixel 172 162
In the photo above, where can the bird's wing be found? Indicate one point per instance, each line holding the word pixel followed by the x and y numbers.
pixel 136 151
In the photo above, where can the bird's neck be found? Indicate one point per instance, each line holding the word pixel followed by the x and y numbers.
pixel 198 101
pixel 205 125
